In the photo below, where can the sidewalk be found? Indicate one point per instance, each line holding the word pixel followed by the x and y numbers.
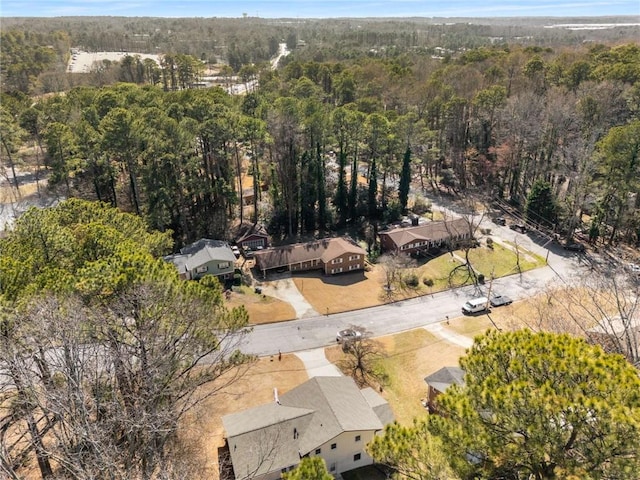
pixel 440 331
pixel 317 364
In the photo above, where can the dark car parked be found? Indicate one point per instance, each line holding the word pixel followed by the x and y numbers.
pixel 498 300
pixel 500 221
pixel 518 227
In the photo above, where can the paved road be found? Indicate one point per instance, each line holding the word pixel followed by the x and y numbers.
pixel 319 331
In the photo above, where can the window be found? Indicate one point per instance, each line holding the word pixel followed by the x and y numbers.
pixel 334 446
pixel 332 468
pixel 354 267
pixel 357 438
pixel 336 260
pixel 356 457
pixel 336 270
pixel 354 257
pixel 223 265
pixel 318 450
pixel 201 269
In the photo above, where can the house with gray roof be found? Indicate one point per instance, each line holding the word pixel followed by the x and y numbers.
pixel 439 381
pixel 204 257
pixel 325 416
pixel 425 236
pixel 332 255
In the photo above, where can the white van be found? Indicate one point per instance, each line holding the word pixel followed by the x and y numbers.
pixel 476 305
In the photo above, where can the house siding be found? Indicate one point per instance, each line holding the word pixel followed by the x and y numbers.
pixel 213 268
pixel 346 447
pixel 253 241
pixel 347 262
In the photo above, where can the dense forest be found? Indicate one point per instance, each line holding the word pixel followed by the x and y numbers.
pixel 322 142
pixel 104 347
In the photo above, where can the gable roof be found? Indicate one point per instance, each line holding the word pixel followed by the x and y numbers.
pixel 275 436
pixel 248 229
pixel 338 406
pixel 430 231
pixel 445 377
pixel 325 250
pixel 201 252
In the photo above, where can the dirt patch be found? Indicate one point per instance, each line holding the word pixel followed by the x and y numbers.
pixel 202 431
pixel 261 308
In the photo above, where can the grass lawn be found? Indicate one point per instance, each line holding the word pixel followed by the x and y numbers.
pixel 501 261
pixel 261 308
pixel 351 291
pixel 410 356
pixel 202 430
pixel 340 293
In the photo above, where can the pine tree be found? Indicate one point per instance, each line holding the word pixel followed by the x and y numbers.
pixel 405 180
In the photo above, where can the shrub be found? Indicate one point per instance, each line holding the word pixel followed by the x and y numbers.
pixel 490 243
pixel 412 280
pixel 427 281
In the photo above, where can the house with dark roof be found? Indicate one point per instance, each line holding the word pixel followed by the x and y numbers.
pixel 425 236
pixel 325 416
pixel 252 236
pixel 439 381
pixel 204 257
pixel 332 255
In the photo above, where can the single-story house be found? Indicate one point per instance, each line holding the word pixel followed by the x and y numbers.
pixel 332 255
pixel 325 416
pixel 439 381
pixel 423 237
pixel 618 335
pixel 252 235
pixel 204 257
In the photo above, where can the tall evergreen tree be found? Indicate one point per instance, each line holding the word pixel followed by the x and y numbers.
pixel 541 207
pixel 405 180
pixel 373 191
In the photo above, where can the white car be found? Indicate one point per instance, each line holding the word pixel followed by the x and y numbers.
pixel 236 251
pixel 348 335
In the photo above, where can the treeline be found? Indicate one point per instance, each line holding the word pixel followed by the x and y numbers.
pixel 238 42
pixel 325 142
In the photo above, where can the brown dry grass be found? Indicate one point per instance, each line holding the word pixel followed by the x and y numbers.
pixel 202 429
pixel 261 308
pixel 410 356
pixel 340 293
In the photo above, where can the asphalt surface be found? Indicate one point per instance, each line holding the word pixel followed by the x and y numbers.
pixel 319 331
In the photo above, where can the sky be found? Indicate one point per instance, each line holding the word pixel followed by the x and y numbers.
pixel 319 8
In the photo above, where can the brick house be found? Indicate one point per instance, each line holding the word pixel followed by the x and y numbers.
pixel 424 237
pixel 331 255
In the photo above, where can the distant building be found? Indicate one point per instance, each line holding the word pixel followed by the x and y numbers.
pixel 426 236
pixel 327 417
pixel 204 257
pixel 331 255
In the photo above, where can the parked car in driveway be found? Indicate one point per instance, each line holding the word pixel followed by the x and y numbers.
pixel 348 335
pixel 497 300
pixel 500 221
pixel 518 227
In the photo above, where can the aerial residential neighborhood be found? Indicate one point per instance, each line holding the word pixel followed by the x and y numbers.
pixel 403 244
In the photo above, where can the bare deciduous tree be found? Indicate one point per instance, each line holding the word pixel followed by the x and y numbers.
pixel 103 388
pixel 361 360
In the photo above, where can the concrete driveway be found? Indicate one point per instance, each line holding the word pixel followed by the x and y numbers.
pixel 284 288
